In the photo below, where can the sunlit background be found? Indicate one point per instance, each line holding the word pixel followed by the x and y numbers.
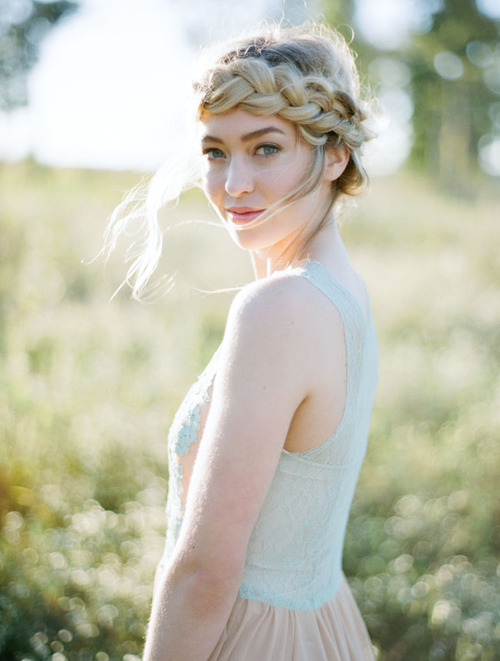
pixel 93 95
pixel 110 85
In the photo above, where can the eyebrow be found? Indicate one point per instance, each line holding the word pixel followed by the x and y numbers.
pixel 247 136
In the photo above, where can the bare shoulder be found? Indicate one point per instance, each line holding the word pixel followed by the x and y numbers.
pixel 286 325
pixel 281 303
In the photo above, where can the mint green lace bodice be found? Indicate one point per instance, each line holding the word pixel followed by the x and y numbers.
pixel 294 557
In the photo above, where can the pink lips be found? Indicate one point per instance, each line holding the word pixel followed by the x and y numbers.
pixel 243 214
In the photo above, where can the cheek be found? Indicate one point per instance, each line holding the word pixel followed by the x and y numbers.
pixel 284 180
pixel 213 186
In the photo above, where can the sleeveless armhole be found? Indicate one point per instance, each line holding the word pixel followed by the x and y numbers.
pixel 355 324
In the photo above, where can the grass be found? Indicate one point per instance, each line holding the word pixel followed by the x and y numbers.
pixel 88 388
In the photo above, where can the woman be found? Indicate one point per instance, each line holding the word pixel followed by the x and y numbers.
pixel 266 449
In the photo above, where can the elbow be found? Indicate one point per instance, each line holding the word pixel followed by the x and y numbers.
pixel 211 581
pixel 215 590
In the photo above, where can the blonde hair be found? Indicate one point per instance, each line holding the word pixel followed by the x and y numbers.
pixel 306 75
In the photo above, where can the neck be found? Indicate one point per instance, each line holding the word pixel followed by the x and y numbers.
pixel 325 246
pixel 264 264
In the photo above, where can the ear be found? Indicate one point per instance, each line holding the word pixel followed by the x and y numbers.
pixel 336 160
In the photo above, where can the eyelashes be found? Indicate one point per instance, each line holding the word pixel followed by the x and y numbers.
pixel 213 153
pixel 266 150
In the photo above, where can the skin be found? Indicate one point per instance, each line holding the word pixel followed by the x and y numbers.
pixel 263 400
pixel 251 162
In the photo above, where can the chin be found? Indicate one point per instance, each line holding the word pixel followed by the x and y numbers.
pixel 248 240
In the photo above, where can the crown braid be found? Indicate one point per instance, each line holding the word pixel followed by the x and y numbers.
pixel 304 76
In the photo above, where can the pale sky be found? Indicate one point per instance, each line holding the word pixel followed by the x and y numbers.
pixel 111 84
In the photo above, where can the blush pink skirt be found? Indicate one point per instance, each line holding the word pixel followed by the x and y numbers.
pixel 259 632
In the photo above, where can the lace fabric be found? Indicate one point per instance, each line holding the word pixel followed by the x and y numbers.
pixel 183 433
pixel 295 551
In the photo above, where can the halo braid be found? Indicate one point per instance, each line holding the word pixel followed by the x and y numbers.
pixel 303 76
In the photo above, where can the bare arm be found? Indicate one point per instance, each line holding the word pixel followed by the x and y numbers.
pixel 263 378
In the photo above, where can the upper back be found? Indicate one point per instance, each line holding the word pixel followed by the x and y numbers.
pixel 361 356
pixel 295 549
pixel 302 523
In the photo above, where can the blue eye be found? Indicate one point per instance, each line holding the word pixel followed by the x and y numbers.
pixel 267 150
pixel 213 153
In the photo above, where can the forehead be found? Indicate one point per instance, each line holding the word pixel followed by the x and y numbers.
pixel 239 123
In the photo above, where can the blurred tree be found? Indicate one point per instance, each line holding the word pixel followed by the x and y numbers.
pixel 340 13
pixel 23 23
pixel 455 80
pixel 449 63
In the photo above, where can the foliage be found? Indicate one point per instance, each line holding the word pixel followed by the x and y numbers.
pixel 23 23
pixel 453 101
pixel 88 388
pixel 449 68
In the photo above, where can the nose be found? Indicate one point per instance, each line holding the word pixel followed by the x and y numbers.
pixel 239 177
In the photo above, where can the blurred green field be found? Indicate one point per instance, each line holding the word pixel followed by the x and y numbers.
pixel 88 388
